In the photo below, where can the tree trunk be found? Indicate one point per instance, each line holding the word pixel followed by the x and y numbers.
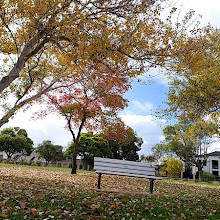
pixel 74 159
pixel 200 167
pixel 76 142
pixel 200 175
pixel 85 165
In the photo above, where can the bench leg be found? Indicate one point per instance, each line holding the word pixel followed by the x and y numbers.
pixel 99 181
pixel 151 185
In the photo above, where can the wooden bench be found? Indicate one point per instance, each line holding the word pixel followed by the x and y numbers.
pixel 125 168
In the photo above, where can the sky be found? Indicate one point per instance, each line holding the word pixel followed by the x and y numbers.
pixel 144 99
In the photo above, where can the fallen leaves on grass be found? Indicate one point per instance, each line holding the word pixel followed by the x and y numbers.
pixel 42 194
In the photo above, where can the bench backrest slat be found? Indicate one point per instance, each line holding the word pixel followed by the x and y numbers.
pixel 122 166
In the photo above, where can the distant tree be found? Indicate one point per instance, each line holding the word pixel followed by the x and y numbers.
pixel 189 141
pixel 127 151
pixel 89 101
pixel 116 130
pixel 15 140
pixel 90 146
pixel 50 152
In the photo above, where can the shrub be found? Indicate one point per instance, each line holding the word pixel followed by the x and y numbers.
pixel 22 162
pixel 174 167
pixel 9 161
pixel 38 163
pixel 208 177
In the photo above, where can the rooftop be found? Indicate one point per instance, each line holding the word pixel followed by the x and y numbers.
pixel 215 153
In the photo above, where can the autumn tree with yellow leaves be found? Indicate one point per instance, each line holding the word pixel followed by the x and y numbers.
pixel 43 42
pixel 194 91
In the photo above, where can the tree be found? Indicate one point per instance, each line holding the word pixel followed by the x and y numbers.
pixel 189 141
pixel 90 146
pixel 89 101
pixel 126 152
pixel 15 140
pixel 44 43
pixel 36 83
pixel 194 92
pixel 114 129
pixel 49 151
pixel 126 149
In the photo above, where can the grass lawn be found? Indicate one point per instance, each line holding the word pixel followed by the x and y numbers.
pixel 33 193
pixel 193 182
pixel 43 168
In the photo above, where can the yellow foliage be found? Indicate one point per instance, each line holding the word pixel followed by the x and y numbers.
pixel 174 167
pixel 51 40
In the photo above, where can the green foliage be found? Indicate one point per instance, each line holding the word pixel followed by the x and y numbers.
pixel 50 152
pixel 15 140
pixel 208 177
pixel 187 139
pixel 90 146
pixel 128 151
pixel 95 145
pixel 22 162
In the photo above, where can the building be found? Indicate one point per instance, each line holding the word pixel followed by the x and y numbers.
pixel 32 158
pixel 212 164
pixel 68 163
pixel 3 156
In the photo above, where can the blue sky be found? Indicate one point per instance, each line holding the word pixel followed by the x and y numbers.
pixel 146 99
pixel 143 98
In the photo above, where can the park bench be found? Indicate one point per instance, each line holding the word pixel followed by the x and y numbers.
pixel 125 168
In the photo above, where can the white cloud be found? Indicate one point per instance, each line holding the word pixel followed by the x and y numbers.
pixel 52 128
pixel 139 108
pixel 215 146
pixel 208 9
pixel 147 127
pixel 154 75
pixel 49 128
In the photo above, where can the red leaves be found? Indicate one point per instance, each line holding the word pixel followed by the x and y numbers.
pixel 93 94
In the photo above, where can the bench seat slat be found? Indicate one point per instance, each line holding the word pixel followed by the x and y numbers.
pixel 128 174
pixel 125 170
pixel 125 162
pixel 124 166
